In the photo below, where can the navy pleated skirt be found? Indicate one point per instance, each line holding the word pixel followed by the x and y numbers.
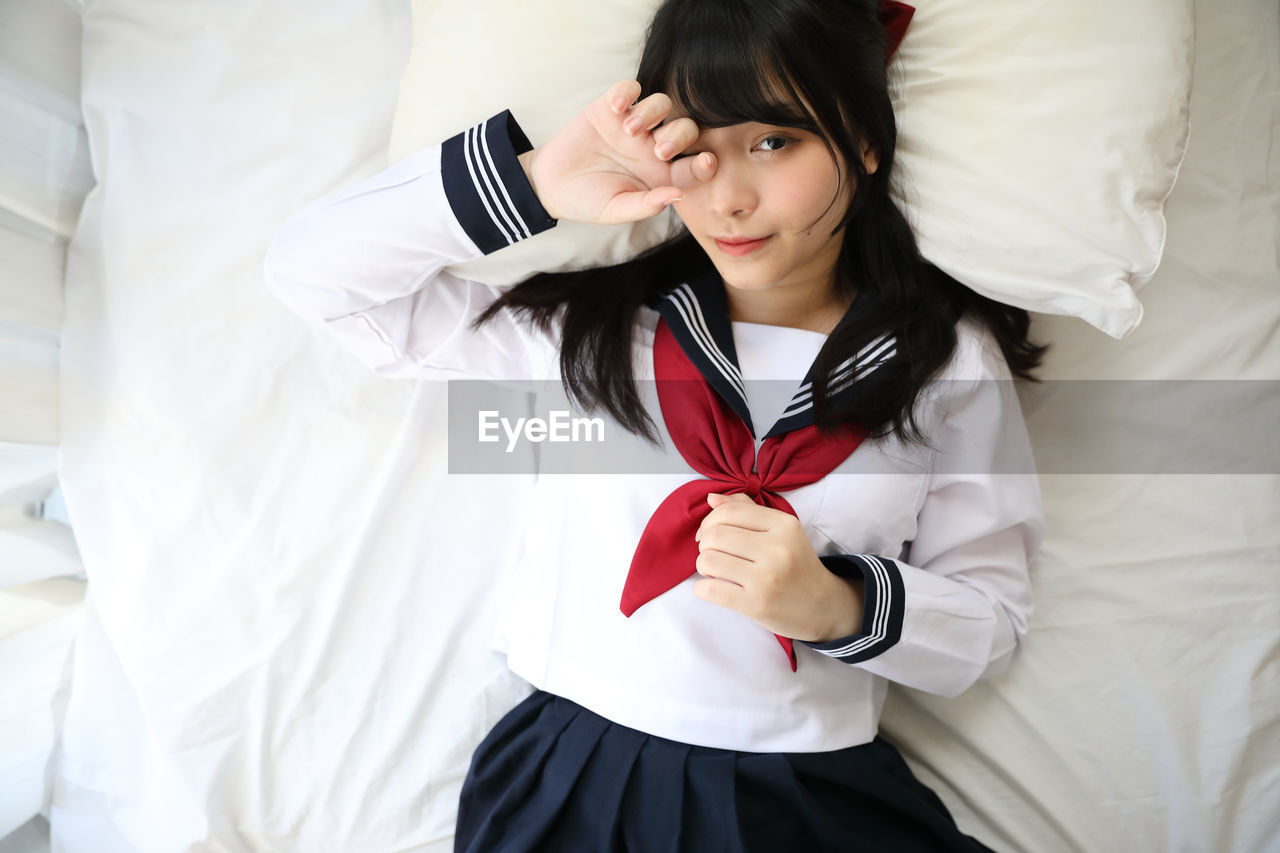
pixel 553 776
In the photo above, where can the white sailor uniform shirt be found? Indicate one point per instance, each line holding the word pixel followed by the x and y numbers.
pixel 941 534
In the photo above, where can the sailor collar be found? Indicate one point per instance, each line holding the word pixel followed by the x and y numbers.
pixel 697 312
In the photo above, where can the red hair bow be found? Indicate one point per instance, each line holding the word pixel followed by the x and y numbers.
pixel 895 17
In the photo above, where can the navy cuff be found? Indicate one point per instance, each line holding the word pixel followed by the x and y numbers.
pixel 487 187
pixel 882 610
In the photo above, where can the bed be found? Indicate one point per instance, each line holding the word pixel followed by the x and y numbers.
pixel 283 641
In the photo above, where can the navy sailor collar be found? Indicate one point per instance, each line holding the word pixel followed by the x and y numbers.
pixel 697 313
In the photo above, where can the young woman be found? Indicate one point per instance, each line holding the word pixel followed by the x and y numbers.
pixel 710 650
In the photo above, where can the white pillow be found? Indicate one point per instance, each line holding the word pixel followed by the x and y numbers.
pixel 1037 141
pixel 544 61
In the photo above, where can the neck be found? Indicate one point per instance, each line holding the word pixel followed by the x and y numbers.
pixel 813 309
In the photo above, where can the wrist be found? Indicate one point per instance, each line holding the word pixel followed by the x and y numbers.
pixel 846 609
pixel 526 163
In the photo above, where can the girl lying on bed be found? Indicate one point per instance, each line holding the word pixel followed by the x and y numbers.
pixel 710 653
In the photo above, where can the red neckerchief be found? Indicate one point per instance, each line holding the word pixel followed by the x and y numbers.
pixel 716 443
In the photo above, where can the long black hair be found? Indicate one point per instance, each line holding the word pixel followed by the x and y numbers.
pixel 816 64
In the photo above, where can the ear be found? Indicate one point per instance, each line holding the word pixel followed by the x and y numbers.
pixel 870 159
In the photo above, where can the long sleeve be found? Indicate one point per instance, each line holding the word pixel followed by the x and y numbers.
pixel 368 261
pixel 954 609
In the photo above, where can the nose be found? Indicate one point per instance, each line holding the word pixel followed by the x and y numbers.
pixel 732 193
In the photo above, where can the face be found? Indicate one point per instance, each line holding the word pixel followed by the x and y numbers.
pixel 765 217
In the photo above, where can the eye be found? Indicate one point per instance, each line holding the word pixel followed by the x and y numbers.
pixel 774 143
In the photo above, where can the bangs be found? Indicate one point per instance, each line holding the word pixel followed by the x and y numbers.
pixel 729 78
pixel 817 66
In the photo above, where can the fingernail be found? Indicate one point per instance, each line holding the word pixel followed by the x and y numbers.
pixel 632 124
pixel 706 160
pixel 665 150
pixel 672 201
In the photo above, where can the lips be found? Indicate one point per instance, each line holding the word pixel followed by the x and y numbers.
pixel 736 247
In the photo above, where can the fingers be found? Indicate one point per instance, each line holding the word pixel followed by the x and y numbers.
pixel 736 510
pixel 723 593
pixel 715 498
pixel 634 206
pixel 723 567
pixel 670 140
pixel 647 114
pixel 734 541
pixel 689 171
pixel 674 137
pixel 633 127
pixel 622 95
pixel 640 115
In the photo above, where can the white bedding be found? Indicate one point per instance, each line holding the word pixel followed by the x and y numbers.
pixel 38 622
pixel 284 644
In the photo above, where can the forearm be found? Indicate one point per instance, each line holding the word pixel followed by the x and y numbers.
pixel 369 261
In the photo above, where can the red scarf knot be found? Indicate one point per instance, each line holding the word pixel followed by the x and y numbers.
pixel 716 443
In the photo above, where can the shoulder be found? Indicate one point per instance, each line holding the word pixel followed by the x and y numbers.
pixel 977 355
pixel 976 375
pixel 646 326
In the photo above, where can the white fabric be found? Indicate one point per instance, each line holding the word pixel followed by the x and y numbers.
pixel 770 393
pixel 264 661
pixel 368 263
pixel 44 175
pixel 32 546
pixel 44 167
pixel 30 319
pixel 31 837
pixel 38 623
pixel 229 477
pixel 1146 712
pixel 1038 141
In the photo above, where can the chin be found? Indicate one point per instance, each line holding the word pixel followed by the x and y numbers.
pixel 741 282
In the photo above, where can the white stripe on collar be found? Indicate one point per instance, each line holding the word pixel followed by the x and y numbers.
pixel 686 302
pixel 869 358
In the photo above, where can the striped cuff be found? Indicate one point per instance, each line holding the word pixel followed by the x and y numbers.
pixel 882 610
pixel 487 187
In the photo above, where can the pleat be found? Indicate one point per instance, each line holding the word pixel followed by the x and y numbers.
pixel 506 750
pixel 506 773
pixel 654 803
pixel 542 813
pixel 710 822
pixel 595 804
pixel 774 811
pixel 554 776
pixel 868 799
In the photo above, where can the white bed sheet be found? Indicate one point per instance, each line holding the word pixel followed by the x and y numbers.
pixel 284 645
pixel 38 624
